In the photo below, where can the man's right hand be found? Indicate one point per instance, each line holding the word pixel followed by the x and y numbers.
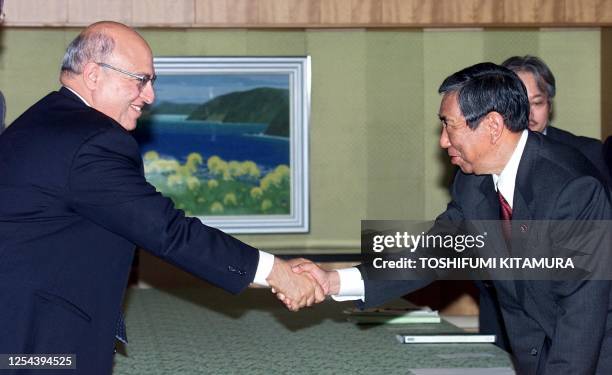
pixel 329 281
pixel 295 290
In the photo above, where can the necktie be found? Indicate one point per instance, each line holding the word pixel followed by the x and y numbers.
pixel 505 214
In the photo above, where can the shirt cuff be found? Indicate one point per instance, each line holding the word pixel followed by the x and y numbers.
pixel 351 285
pixel 264 267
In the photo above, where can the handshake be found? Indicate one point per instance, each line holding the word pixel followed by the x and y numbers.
pixel 299 282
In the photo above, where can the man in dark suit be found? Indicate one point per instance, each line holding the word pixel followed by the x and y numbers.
pixel 554 326
pixel 607 151
pixel 2 101
pixel 541 89
pixel 74 203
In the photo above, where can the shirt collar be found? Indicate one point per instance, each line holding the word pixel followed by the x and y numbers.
pixel 506 180
pixel 79 96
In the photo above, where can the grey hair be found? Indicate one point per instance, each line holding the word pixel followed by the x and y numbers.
pixel 87 47
pixel 544 78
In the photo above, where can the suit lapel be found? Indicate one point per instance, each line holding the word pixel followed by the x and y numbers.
pixel 523 207
pixel 488 207
pixel 523 204
pixel 488 216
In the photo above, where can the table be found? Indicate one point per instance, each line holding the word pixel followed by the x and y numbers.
pixel 208 331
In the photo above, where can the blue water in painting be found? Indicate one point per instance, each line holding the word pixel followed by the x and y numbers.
pixel 172 135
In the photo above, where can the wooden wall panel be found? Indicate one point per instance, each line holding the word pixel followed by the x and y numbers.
pixel 163 12
pixel 312 13
pixel 488 12
pixel 84 13
pixel 547 11
pixel 396 12
pixel 272 12
pixel 519 12
pixel 337 12
pixel 581 11
pixel 36 12
pixel 210 12
pixel 604 12
pixel 366 12
pixel 423 11
pixel 231 13
pixel 455 12
pixel 304 12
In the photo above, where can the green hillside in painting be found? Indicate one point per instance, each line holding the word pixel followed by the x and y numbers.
pixel 261 105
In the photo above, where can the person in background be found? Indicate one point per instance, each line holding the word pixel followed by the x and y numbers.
pixel 74 204
pixel 540 83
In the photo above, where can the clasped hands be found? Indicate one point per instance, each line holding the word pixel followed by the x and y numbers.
pixel 299 282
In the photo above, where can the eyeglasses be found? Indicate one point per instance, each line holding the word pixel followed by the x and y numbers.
pixel 142 79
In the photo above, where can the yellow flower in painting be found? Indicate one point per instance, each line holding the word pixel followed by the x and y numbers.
pixel 235 168
pixel 282 170
pixel 266 205
pixel 264 184
pixel 161 166
pixel 216 208
pixel 256 193
pixel 277 177
pixel 150 156
pixel 212 184
pixel 193 182
pixel 216 165
pixel 213 161
pixel 174 179
pixel 193 161
pixel 201 200
pixel 250 168
pixel 230 199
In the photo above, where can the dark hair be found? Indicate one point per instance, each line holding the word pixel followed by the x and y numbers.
pixel 534 65
pixel 487 87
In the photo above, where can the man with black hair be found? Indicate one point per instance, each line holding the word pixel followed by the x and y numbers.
pixel 510 172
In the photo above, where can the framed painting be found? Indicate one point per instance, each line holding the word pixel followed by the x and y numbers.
pixel 227 140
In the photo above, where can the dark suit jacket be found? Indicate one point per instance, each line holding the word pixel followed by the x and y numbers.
pixel 73 205
pixel 489 317
pixel 589 147
pixel 607 153
pixel 554 327
pixel 2 111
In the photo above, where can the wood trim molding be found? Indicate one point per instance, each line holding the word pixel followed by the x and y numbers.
pixel 311 13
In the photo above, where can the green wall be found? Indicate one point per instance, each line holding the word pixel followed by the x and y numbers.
pixel 374 131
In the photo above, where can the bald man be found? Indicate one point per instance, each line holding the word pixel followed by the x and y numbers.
pixel 74 204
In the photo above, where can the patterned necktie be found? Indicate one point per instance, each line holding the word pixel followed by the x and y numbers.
pixel 505 214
